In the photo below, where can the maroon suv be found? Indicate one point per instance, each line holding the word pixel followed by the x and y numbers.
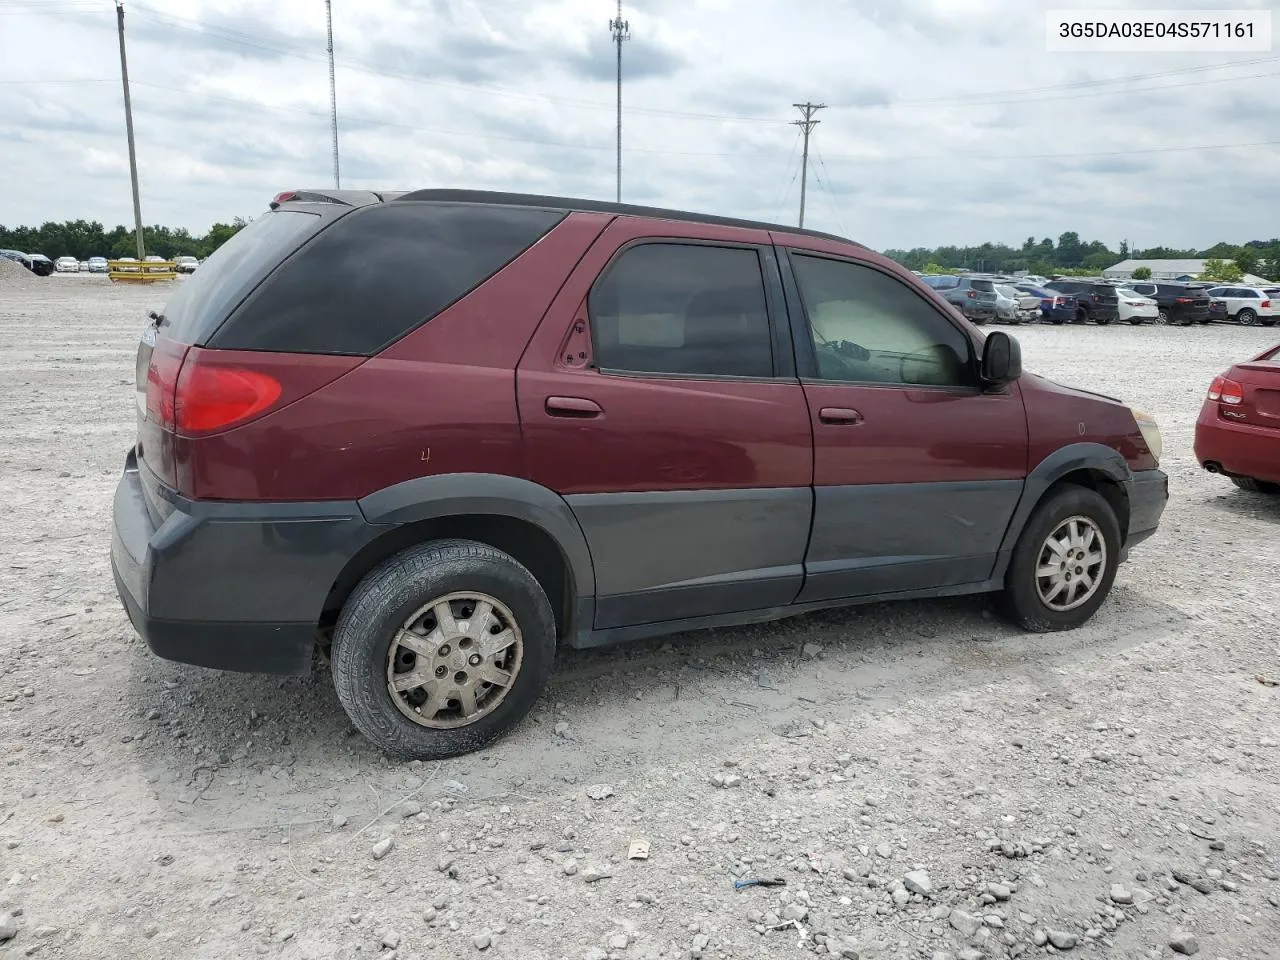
pixel 439 433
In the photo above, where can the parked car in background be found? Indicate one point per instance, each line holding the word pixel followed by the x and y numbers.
pixel 974 298
pixel 1055 307
pixel 41 265
pixel 1135 308
pixel 1217 310
pixel 1248 306
pixel 1177 304
pixel 1095 300
pixel 185 264
pixel 153 258
pixel 634 384
pixel 1238 433
pixel 17 256
pixel 98 265
pixel 1015 306
pixel 67 265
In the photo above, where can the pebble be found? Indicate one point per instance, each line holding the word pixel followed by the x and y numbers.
pixel 562 730
pixel 390 939
pixel 619 941
pixel 1120 895
pixel 726 780
pixel 884 851
pixel 999 891
pixel 339 821
pixel 1184 943
pixel 966 923
pixel 410 808
pixel 482 940
pixel 917 881
pixel 382 848
pixel 595 953
pixel 845 948
pixel 1063 940
pixel 599 791
pixel 570 867
pixel 1039 938
pixel 810 651
pixel 8 927
pixel 970 953
pixel 794 911
pixel 592 874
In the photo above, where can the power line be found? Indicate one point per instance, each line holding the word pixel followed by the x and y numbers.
pixel 825 182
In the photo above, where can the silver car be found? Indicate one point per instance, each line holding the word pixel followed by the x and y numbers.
pixel 1016 306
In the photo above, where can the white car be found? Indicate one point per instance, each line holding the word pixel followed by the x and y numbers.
pixel 67 265
pixel 1015 306
pixel 1249 306
pixel 1135 308
pixel 185 264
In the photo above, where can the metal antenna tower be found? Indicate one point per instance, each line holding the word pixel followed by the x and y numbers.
pixel 333 94
pixel 807 110
pixel 621 31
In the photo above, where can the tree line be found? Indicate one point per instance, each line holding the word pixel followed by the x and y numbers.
pixel 1072 255
pixel 83 239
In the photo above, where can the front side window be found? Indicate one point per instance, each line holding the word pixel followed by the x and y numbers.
pixel 869 327
pixel 683 309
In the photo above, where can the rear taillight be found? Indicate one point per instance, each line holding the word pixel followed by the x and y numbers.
pixel 1266 304
pixel 1183 300
pixel 284 197
pixel 210 397
pixel 972 295
pixel 1096 298
pixel 162 381
pixel 1226 391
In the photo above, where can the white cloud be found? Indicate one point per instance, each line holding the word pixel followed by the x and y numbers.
pixel 914 150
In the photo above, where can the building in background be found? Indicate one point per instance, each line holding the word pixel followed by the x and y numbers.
pixel 1169 270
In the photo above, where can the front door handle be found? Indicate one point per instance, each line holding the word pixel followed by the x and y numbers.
pixel 839 415
pixel 579 407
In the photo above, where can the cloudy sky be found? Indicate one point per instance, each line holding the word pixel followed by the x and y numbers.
pixel 948 122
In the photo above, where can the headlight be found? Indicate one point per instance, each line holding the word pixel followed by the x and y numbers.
pixel 1150 432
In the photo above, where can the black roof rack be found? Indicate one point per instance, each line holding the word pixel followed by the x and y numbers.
pixel 569 204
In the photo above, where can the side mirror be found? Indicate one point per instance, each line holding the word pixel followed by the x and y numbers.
pixel 1001 358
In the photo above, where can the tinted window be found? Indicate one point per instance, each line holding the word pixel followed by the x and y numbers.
pixel 986 286
pixel 942 283
pixel 378 273
pixel 686 309
pixel 869 327
pixel 1146 289
pixel 203 301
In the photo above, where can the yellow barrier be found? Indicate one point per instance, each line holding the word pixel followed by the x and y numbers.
pixel 141 271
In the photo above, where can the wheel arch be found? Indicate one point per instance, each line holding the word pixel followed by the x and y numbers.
pixel 1092 465
pixel 531 523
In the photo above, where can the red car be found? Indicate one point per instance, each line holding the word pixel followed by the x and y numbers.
pixel 443 433
pixel 1238 433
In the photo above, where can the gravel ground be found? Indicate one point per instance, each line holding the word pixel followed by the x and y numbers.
pixel 928 781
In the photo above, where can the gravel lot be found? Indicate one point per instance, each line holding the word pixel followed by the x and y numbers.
pixel 1112 791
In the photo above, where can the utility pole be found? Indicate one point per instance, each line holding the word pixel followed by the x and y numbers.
pixel 128 125
pixel 333 94
pixel 807 110
pixel 621 31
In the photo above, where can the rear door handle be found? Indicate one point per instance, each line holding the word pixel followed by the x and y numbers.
pixel 573 407
pixel 839 415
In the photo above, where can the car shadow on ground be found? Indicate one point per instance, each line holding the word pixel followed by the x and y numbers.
pixel 209 744
pixel 1244 503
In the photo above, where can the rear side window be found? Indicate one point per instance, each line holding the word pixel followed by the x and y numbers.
pixel 684 309
pixel 379 273
pixel 203 300
pixel 986 286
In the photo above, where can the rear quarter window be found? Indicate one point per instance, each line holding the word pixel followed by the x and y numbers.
pixel 379 273
pixel 986 286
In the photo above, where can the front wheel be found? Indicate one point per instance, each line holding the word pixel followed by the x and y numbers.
pixel 1162 318
pixel 1135 321
pixel 1103 321
pixel 443 648
pixel 1247 318
pixel 1082 315
pixel 1064 563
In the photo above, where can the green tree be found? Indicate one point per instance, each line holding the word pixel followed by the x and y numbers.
pixel 1246 259
pixel 1222 271
pixel 1142 273
pixel 1070 253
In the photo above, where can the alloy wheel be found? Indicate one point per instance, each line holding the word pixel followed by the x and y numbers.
pixel 1072 562
pixel 454 660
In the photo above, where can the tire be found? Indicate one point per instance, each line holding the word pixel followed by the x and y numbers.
pixel 1057 321
pixel 404 590
pixel 1162 317
pixel 1255 486
pixel 1021 599
pixel 1082 315
pixel 1101 322
pixel 1247 318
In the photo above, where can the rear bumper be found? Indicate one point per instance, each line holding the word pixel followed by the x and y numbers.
pixel 1236 449
pixel 234 586
pixel 1148 496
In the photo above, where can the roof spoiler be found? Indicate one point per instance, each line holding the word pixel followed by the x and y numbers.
pixel 350 198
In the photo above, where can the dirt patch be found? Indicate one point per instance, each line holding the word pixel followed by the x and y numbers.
pixel 14 276
pixel 927 780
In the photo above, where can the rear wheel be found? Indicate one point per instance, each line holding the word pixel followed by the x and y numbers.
pixel 1135 321
pixel 1162 317
pixel 1255 486
pixel 442 648
pixel 1082 315
pixel 1064 563
pixel 1247 318
pixel 1103 321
